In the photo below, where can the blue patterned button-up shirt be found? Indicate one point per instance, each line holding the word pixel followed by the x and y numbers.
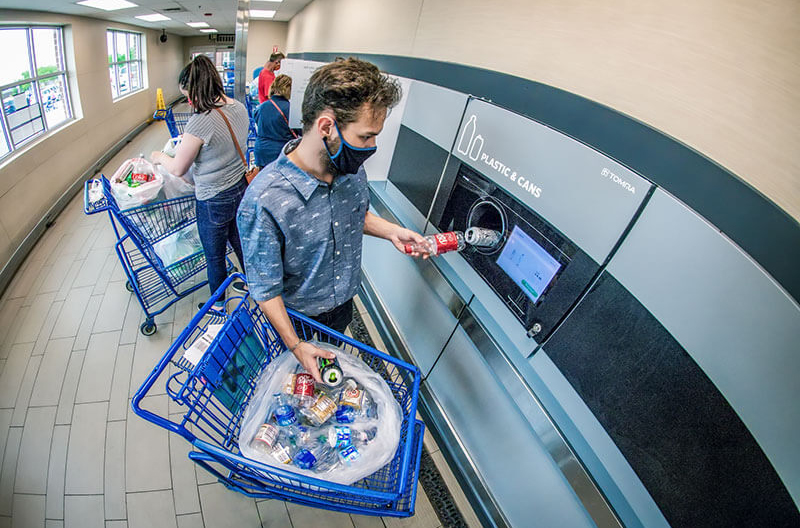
pixel 301 237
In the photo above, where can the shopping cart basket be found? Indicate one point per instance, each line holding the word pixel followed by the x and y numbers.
pixel 137 230
pixel 214 394
pixel 175 120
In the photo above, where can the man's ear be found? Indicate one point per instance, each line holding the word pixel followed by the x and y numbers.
pixel 325 125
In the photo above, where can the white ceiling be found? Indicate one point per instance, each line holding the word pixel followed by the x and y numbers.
pixel 222 18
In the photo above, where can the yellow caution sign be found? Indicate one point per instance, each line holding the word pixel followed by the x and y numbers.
pixel 161 108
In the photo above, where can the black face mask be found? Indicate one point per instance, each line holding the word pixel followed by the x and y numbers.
pixel 348 159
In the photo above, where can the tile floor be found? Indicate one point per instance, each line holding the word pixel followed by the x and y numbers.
pixel 71 356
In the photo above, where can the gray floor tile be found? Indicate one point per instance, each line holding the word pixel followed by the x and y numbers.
pixel 56 472
pixel 101 282
pixel 62 244
pixel 53 523
pixel 191 520
pixel 223 508
pixel 424 515
pixel 47 328
pixel 85 328
pixel 83 511
pixel 71 314
pixel 25 390
pixel 32 325
pixel 147 450
pixel 118 402
pixel 9 470
pixel 134 317
pixel 428 440
pixel 152 509
pixel 115 471
pixel 66 285
pixel 273 514
pixel 92 266
pixel 116 524
pixel 20 286
pixel 5 521
pixel 367 521
pixel 184 482
pixel 28 511
pixel 98 368
pixel 305 516
pixel 9 311
pixel 149 351
pixel 11 338
pixel 89 244
pixel 86 440
pixel 56 275
pixel 112 309
pixel 11 380
pixel 34 452
pixel 66 401
pixel 47 388
pixel 5 423
pixel 460 499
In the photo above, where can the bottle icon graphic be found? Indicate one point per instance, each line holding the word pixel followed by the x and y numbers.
pixel 466 136
pixel 477 146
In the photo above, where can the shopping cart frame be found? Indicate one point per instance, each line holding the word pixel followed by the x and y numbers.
pixel 175 120
pixel 193 387
pixel 147 278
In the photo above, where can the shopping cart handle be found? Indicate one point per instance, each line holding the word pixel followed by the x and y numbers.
pixel 173 349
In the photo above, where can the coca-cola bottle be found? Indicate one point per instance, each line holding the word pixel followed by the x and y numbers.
pixel 439 243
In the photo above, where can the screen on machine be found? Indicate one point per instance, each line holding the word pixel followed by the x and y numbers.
pixel 527 263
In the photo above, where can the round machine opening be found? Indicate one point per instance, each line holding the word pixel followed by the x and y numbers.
pixel 486 226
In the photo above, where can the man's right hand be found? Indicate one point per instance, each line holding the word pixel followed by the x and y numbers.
pixel 307 355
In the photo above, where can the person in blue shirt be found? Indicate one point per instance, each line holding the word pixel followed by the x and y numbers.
pixel 303 217
pixel 272 122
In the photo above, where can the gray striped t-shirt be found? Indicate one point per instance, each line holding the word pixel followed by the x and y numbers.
pixel 218 166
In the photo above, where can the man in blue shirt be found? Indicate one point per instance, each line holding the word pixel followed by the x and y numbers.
pixel 302 218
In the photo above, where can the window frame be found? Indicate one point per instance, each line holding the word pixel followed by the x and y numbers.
pixel 117 64
pixel 35 80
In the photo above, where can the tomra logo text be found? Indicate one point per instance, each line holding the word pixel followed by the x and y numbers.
pixel 619 181
pixel 471 145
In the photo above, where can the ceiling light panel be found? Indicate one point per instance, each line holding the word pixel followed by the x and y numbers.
pixel 197 24
pixel 261 13
pixel 208 31
pixel 155 17
pixel 108 5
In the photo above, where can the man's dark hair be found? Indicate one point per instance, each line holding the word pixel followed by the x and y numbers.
pixel 201 79
pixel 344 86
pixel 276 56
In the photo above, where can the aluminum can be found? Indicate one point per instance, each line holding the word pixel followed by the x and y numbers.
pixel 330 371
pixel 303 385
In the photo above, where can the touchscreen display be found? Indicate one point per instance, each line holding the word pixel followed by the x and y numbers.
pixel 527 263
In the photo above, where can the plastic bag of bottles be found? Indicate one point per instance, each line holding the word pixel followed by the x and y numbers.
pixel 136 183
pixel 339 433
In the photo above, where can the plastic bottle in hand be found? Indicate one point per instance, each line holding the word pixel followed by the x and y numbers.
pixel 319 456
pixel 439 243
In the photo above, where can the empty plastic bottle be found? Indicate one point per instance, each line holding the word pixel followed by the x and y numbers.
pixel 283 411
pixel 319 456
pixel 439 243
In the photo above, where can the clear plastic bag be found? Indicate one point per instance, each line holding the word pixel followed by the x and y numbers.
pixel 179 245
pixel 128 196
pixel 373 456
pixel 174 186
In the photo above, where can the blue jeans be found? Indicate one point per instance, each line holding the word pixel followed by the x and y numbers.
pixel 216 225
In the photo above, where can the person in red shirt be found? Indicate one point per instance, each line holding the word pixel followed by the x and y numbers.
pixel 267 75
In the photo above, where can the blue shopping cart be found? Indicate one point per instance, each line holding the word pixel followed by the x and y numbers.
pixel 214 394
pixel 175 120
pixel 138 231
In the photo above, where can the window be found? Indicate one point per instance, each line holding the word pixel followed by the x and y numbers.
pixel 33 84
pixel 124 62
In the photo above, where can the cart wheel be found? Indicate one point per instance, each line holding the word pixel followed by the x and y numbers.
pixel 148 328
pixel 129 286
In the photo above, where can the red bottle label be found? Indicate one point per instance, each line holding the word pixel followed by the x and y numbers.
pixel 140 177
pixel 303 385
pixel 446 242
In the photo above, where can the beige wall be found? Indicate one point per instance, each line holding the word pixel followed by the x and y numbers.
pixel 33 178
pixel 722 76
pixel 261 36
